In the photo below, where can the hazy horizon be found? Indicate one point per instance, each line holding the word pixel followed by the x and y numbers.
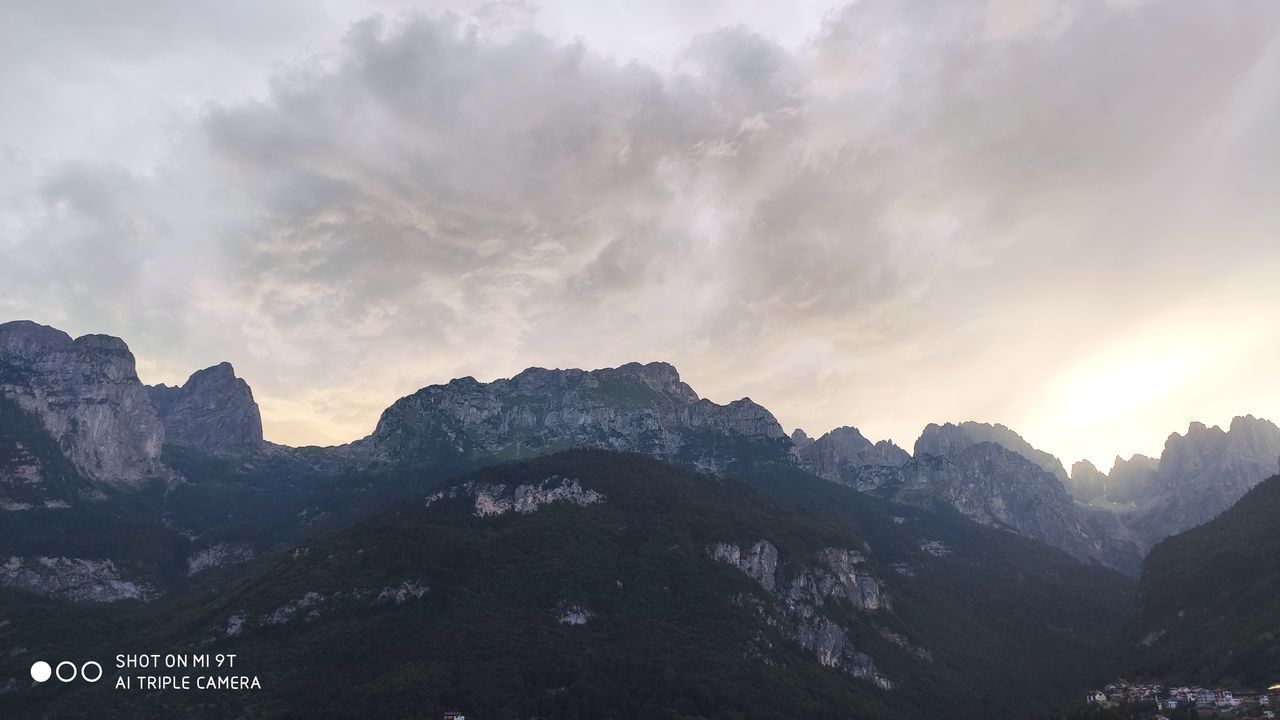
pixel 1053 215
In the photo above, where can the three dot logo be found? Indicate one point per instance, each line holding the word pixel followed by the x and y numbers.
pixel 66 671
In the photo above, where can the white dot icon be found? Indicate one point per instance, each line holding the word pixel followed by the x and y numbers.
pixel 40 671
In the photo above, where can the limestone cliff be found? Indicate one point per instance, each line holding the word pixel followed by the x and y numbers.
pixel 86 394
pixel 845 456
pixel 213 411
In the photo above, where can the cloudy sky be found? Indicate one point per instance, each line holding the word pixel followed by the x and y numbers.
pixel 1063 215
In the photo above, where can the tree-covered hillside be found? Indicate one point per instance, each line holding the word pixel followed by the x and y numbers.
pixel 1209 599
pixel 592 584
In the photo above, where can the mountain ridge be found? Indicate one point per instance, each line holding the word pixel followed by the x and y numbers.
pixel 450 427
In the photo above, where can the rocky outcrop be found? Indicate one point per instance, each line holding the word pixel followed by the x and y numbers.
pixel 638 408
pixel 219 555
pixel 1204 472
pixel 845 456
pixel 573 614
pixel 1087 481
pixel 76 579
pixel 1226 462
pixel 86 394
pixel 833 647
pixel 760 562
pixel 494 500
pixel 838 575
pixel 999 487
pixel 34 473
pixel 213 411
pixel 947 440
pixel 1136 480
pixel 800 440
pixel 314 605
pixel 986 481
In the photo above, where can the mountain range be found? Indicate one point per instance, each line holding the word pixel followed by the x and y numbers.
pixel 866 576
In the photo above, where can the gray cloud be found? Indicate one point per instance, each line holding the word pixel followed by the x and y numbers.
pixel 924 211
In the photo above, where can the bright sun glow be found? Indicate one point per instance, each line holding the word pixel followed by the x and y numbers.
pixel 1139 381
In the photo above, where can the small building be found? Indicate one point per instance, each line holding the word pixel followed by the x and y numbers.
pixel 1097 696
pixel 454 715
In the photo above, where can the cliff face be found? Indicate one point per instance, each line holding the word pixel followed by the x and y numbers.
pixel 845 456
pixel 1230 462
pixel 638 408
pixel 839 576
pixel 1135 480
pixel 1002 482
pixel 1087 481
pixel 948 439
pixel 87 396
pixel 213 411
pixel 1204 472
pixel 996 486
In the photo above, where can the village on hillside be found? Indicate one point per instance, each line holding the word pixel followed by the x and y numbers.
pixel 1162 702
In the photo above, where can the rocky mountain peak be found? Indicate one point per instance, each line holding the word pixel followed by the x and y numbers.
pixel 101 343
pixel 213 411
pixel 662 377
pixel 997 486
pixel 982 479
pixel 845 456
pixel 1251 445
pixel 22 337
pixel 1084 466
pixel 800 439
pixel 850 436
pixel 86 394
pixel 1200 474
pixel 949 439
pixel 1254 436
pixel 641 408
pixel 1134 480
pixel 1087 481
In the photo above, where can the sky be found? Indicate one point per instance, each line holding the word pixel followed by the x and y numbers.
pixel 1061 215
